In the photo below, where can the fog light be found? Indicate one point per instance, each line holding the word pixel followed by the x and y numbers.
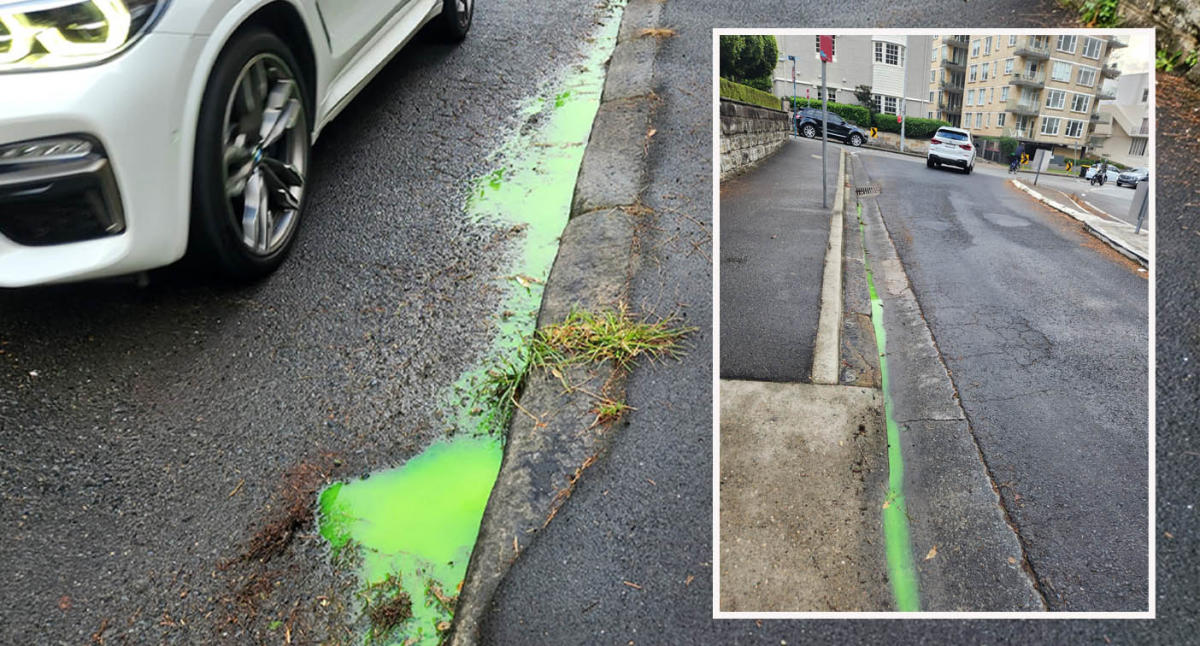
pixel 45 150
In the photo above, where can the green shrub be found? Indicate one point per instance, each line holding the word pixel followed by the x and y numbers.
pixel 855 114
pixel 749 60
pixel 915 127
pixel 747 94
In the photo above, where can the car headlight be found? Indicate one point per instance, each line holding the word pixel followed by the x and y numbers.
pixel 47 34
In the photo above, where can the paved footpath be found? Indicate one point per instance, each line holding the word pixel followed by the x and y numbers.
pixel 773 237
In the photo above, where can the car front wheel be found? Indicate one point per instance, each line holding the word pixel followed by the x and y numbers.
pixel 809 131
pixel 928 162
pixel 856 140
pixel 252 150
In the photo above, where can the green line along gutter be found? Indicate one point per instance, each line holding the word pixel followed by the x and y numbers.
pixel 895 512
pixel 410 531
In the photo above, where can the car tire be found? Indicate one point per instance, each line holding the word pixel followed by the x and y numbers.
pixel 252 150
pixel 456 19
pixel 809 131
pixel 968 169
pixel 856 140
pixel 928 163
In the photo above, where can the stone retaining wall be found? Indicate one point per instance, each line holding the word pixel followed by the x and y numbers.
pixel 749 134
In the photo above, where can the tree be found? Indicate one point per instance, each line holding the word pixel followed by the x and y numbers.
pixel 864 95
pixel 749 60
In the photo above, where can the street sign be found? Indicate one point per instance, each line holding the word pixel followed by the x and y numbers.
pixel 874 132
pixel 898 119
pixel 1068 165
pixel 826 45
pixel 1041 161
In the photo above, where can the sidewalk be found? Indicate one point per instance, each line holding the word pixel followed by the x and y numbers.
pixel 774 233
pixel 1117 234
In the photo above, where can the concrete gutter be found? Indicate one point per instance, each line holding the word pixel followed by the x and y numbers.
pixel 1117 234
pixel 826 350
pixel 553 437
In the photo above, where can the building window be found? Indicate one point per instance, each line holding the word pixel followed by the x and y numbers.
pixel 933 55
pixel 1074 129
pixel 932 76
pixel 1080 102
pixel 1066 44
pixel 1055 99
pixel 970 97
pixel 1008 66
pixel 973 73
pixel 991 94
pixel 1092 48
pixel 1137 147
pixel 928 115
pixel 1000 119
pixel 1061 72
pixel 1012 40
pixel 989 119
pixel 877 100
pixel 984 76
pixel 987 46
pixel 1145 94
pixel 975 47
pixel 889 104
pixel 978 119
pixel 931 97
pixel 1004 94
pixel 1087 76
pixel 889 53
pixel 832 48
pixel 1050 125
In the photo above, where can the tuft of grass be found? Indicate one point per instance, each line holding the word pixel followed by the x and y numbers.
pixel 587 337
pixel 608 411
pixel 1099 13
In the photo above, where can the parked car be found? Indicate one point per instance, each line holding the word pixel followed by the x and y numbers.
pixel 1133 176
pixel 132 131
pixel 1111 175
pixel 808 123
pixel 951 147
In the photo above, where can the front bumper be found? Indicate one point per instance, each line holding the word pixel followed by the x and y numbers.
pixel 134 106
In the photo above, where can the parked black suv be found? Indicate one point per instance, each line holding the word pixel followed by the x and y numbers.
pixel 808 122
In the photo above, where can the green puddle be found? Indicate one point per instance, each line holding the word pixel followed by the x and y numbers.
pixel 417 524
pixel 895 512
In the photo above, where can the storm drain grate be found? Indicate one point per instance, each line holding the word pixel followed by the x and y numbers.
pixel 866 190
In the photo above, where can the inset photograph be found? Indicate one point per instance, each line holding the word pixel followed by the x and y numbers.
pixel 935 277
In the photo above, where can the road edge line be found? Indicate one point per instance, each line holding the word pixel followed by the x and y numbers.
pixel 826 349
pixel 1085 218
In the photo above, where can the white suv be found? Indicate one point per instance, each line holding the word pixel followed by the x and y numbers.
pixel 133 130
pixel 953 147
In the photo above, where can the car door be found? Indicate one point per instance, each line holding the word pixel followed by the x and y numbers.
pixel 837 126
pixel 350 24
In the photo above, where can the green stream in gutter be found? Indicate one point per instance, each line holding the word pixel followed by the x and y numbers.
pixel 416 525
pixel 895 512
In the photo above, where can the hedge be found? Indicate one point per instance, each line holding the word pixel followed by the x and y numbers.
pixel 855 114
pixel 747 94
pixel 1008 145
pixel 915 128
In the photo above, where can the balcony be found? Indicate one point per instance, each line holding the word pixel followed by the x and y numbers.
pixel 959 65
pixel 952 107
pixel 1036 80
pixel 950 86
pixel 957 41
pixel 1106 95
pixel 1018 133
pixel 1094 117
pixel 1110 72
pixel 1029 48
pixel 1115 42
pixel 1096 142
pixel 1016 105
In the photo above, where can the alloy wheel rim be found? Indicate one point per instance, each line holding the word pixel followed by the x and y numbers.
pixel 264 153
pixel 463 10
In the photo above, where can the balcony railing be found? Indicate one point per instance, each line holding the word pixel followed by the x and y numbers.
pixel 1029 48
pixel 953 107
pixel 1018 133
pixel 1027 79
pixel 1017 105
pixel 1114 42
pixel 1106 95
pixel 957 41
pixel 1110 72
pixel 955 65
pixel 1095 117
pixel 950 86
pixel 1096 141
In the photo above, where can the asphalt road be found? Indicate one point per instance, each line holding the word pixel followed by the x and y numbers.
pixel 1045 334
pixel 1111 199
pixel 145 433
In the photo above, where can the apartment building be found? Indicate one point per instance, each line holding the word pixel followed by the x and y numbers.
pixel 1040 90
pixel 882 62
pixel 1122 132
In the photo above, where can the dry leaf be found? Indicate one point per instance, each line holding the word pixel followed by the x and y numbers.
pixel 688 581
pixel 632 585
pixel 887 503
pixel 932 553
pixel 1012 561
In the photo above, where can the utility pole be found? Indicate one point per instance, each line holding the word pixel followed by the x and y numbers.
pixel 795 121
pixel 826 43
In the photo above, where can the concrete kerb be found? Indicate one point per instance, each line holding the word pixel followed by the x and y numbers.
pixel 553 437
pixel 826 351
pixel 1093 224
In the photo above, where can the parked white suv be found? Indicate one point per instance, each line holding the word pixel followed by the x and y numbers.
pixel 133 130
pixel 951 147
